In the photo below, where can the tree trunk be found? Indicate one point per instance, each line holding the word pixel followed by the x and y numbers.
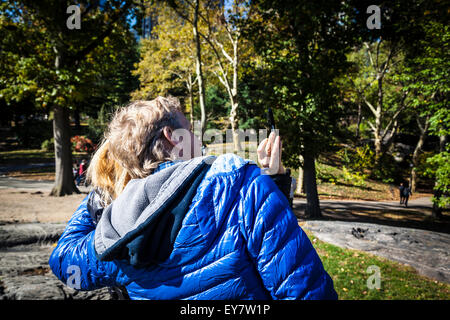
pixel 64 183
pixel 191 100
pixel 299 189
pixel 234 99
pixel 379 122
pixel 358 121
pixel 76 118
pixel 417 151
pixel 436 212
pixel 378 140
pixel 234 128
pixel 300 178
pixel 312 198
pixel 198 69
pixel 378 149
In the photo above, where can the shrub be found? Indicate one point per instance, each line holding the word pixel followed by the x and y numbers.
pixel 357 178
pixel 82 144
pixel 389 170
pixel 359 160
pixel 48 145
pixel 326 173
pixel 97 126
pixel 34 132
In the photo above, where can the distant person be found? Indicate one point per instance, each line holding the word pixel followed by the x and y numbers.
pixel 406 193
pixel 401 189
pixel 82 172
pixel 75 171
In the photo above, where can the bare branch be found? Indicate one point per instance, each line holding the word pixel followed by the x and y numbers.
pixel 420 125
pixel 395 116
pixel 378 52
pixel 371 126
pixel 370 55
pixel 227 56
pixel 179 12
pixel 386 64
pixel 371 107
pixel 426 124
pixel 391 135
pixel 221 78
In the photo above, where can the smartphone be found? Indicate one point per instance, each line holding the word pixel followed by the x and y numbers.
pixel 271 119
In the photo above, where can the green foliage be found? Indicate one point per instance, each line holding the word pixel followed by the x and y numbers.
pixel 326 173
pixel 97 125
pixel 48 145
pixel 441 163
pixel 360 160
pixel 81 69
pixel 428 73
pixel 302 50
pixel 355 178
pixel 167 57
pixel 424 169
pixel 218 107
pixel 389 171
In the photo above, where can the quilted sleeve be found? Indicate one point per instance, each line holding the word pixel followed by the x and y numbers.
pixel 288 264
pixel 74 261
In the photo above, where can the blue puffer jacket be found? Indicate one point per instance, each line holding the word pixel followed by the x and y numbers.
pixel 238 239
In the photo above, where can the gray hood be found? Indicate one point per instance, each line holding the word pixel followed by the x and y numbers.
pixel 142 223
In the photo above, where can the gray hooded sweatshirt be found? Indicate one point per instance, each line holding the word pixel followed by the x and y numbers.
pixel 141 225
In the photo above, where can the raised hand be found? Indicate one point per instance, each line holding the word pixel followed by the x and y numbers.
pixel 269 155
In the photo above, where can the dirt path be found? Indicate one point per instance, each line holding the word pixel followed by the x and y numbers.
pixel 21 205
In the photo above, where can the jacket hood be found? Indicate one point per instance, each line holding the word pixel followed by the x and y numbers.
pixel 141 225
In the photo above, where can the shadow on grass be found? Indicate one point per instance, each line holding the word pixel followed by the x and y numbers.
pixel 416 217
pixel 355 186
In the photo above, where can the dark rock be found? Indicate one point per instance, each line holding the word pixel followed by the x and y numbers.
pixel 24 270
pixel 29 233
pixel 426 251
pixel 359 233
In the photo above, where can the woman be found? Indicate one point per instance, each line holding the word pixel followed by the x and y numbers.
pixel 176 226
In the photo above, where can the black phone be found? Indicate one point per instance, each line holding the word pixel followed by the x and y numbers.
pixel 271 119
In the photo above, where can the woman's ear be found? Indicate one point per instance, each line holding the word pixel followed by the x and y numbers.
pixel 167 132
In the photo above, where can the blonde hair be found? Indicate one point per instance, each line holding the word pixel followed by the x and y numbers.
pixel 133 146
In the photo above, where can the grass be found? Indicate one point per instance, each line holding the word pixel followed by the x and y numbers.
pixel 26 156
pixel 348 269
pixel 33 156
pixel 41 173
pixel 332 184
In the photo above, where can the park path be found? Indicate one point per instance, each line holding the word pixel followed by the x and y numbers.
pixel 9 182
pixel 419 203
